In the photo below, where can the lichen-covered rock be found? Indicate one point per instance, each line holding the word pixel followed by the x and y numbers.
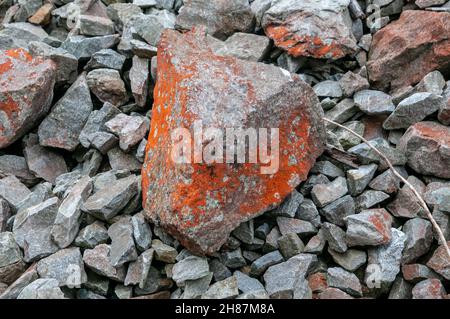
pixel 311 28
pixel 201 204
pixel 404 51
pixel 26 93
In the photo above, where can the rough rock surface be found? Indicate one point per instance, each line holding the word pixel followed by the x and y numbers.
pixel 214 201
pixel 26 92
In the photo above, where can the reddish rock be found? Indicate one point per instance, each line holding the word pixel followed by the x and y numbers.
pixel 318 282
pixel 429 289
pixel 404 51
pixel 334 293
pixel 427 148
pixel 201 204
pixel 440 262
pixel 311 28
pixel 26 93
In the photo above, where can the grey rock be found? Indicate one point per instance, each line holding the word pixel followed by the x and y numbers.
pixel 221 18
pixel 11 263
pixel 351 83
pixel 20 34
pixel 130 129
pixel 120 160
pixel 5 214
pixel 143 50
pixel 438 195
pixel 418 272
pixel 260 294
pixel 351 260
pixel 383 263
pixel 307 211
pixel 419 235
pixel 87 294
pixel 328 169
pixel 338 210
pixel 290 245
pixel 190 268
pixel 17 166
pixel 428 3
pixel 62 127
pixel 140 152
pixel 32 229
pixel 374 102
pixel 66 63
pixel 260 265
pixel 324 194
pixel 307 186
pixel 65 182
pixel 108 86
pixel 140 80
pixel 42 289
pixel 96 123
pixel 106 59
pixel 68 219
pixel 259 7
pixel 123 292
pixel 123 249
pixel 344 280
pixel 247 283
pixel 150 26
pixel 96 283
pixel 84 47
pixel 433 82
pixel 13 191
pixel 108 202
pixel 98 261
pixel 335 237
pixel 282 279
pixel 369 228
pixel 120 13
pixel 328 89
pixel 219 270
pixel 142 232
pixel 366 155
pixel 137 272
pixel 103 141
pixel 163 252
pixel 342 112
pixel 316 244
pixel 95 25
pixel 245 46
pixel 413 109
pixel 387 182
pixel 358 179
pixel 289 207
pixel 17 286
pixel 369 199
pixel 233 259
pixel 401 289
pixel 291 225
pixel 225 289
pixel 43 162
pixel 194 289
pixel 66 266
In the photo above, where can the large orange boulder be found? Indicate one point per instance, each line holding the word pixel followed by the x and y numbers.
pixel 26 93
pixel 406 50
pixel 200 203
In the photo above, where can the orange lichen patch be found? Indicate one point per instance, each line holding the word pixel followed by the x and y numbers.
pixel 382 223
pixel 20 54
pixel 439 133
pixel 298 46
pixel 9 106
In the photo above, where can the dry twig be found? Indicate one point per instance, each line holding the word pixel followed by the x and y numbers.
pixel 422 202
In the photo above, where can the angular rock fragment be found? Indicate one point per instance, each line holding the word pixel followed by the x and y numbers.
pixel 426 145
pixel 324 194
pixel 62 127
pixel 106 59
pixel 406 204
pixel 97 260
pixel 13 191
pixel 335 237
pixel 291 225
pixel 419 235
pixel 68 218
pixel 412 110
pixel 123 249
pixel 84 47
pixel 138 270
pixel 95 25
pixel 220 17
pixel 130 129
pixel 142 232
pixel 369 199
pixel 396 45
pixel 42 289
pixel 418 272
pixel 107 202
pixel 374 102
pixel 32 229
pixel 17 166
pixel 225 289
pixel 66 266
pixel 344 280
pixel 358 179
pixel 429 289
pixel 11 259
pixel 22 76
pixel 318 29
pixel 163 252
pixel 439 262
pixel 205 228
pixel 245 46
pixel 351 260
pixel 369 228
pixel 108 86
pixel 260 265
pixel 140 80
pixel 5 214
pixel 92 235
pixel 190 268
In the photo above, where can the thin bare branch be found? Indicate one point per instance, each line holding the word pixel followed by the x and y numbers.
pixel 416 193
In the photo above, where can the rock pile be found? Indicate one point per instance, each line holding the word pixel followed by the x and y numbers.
pixel 92 207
